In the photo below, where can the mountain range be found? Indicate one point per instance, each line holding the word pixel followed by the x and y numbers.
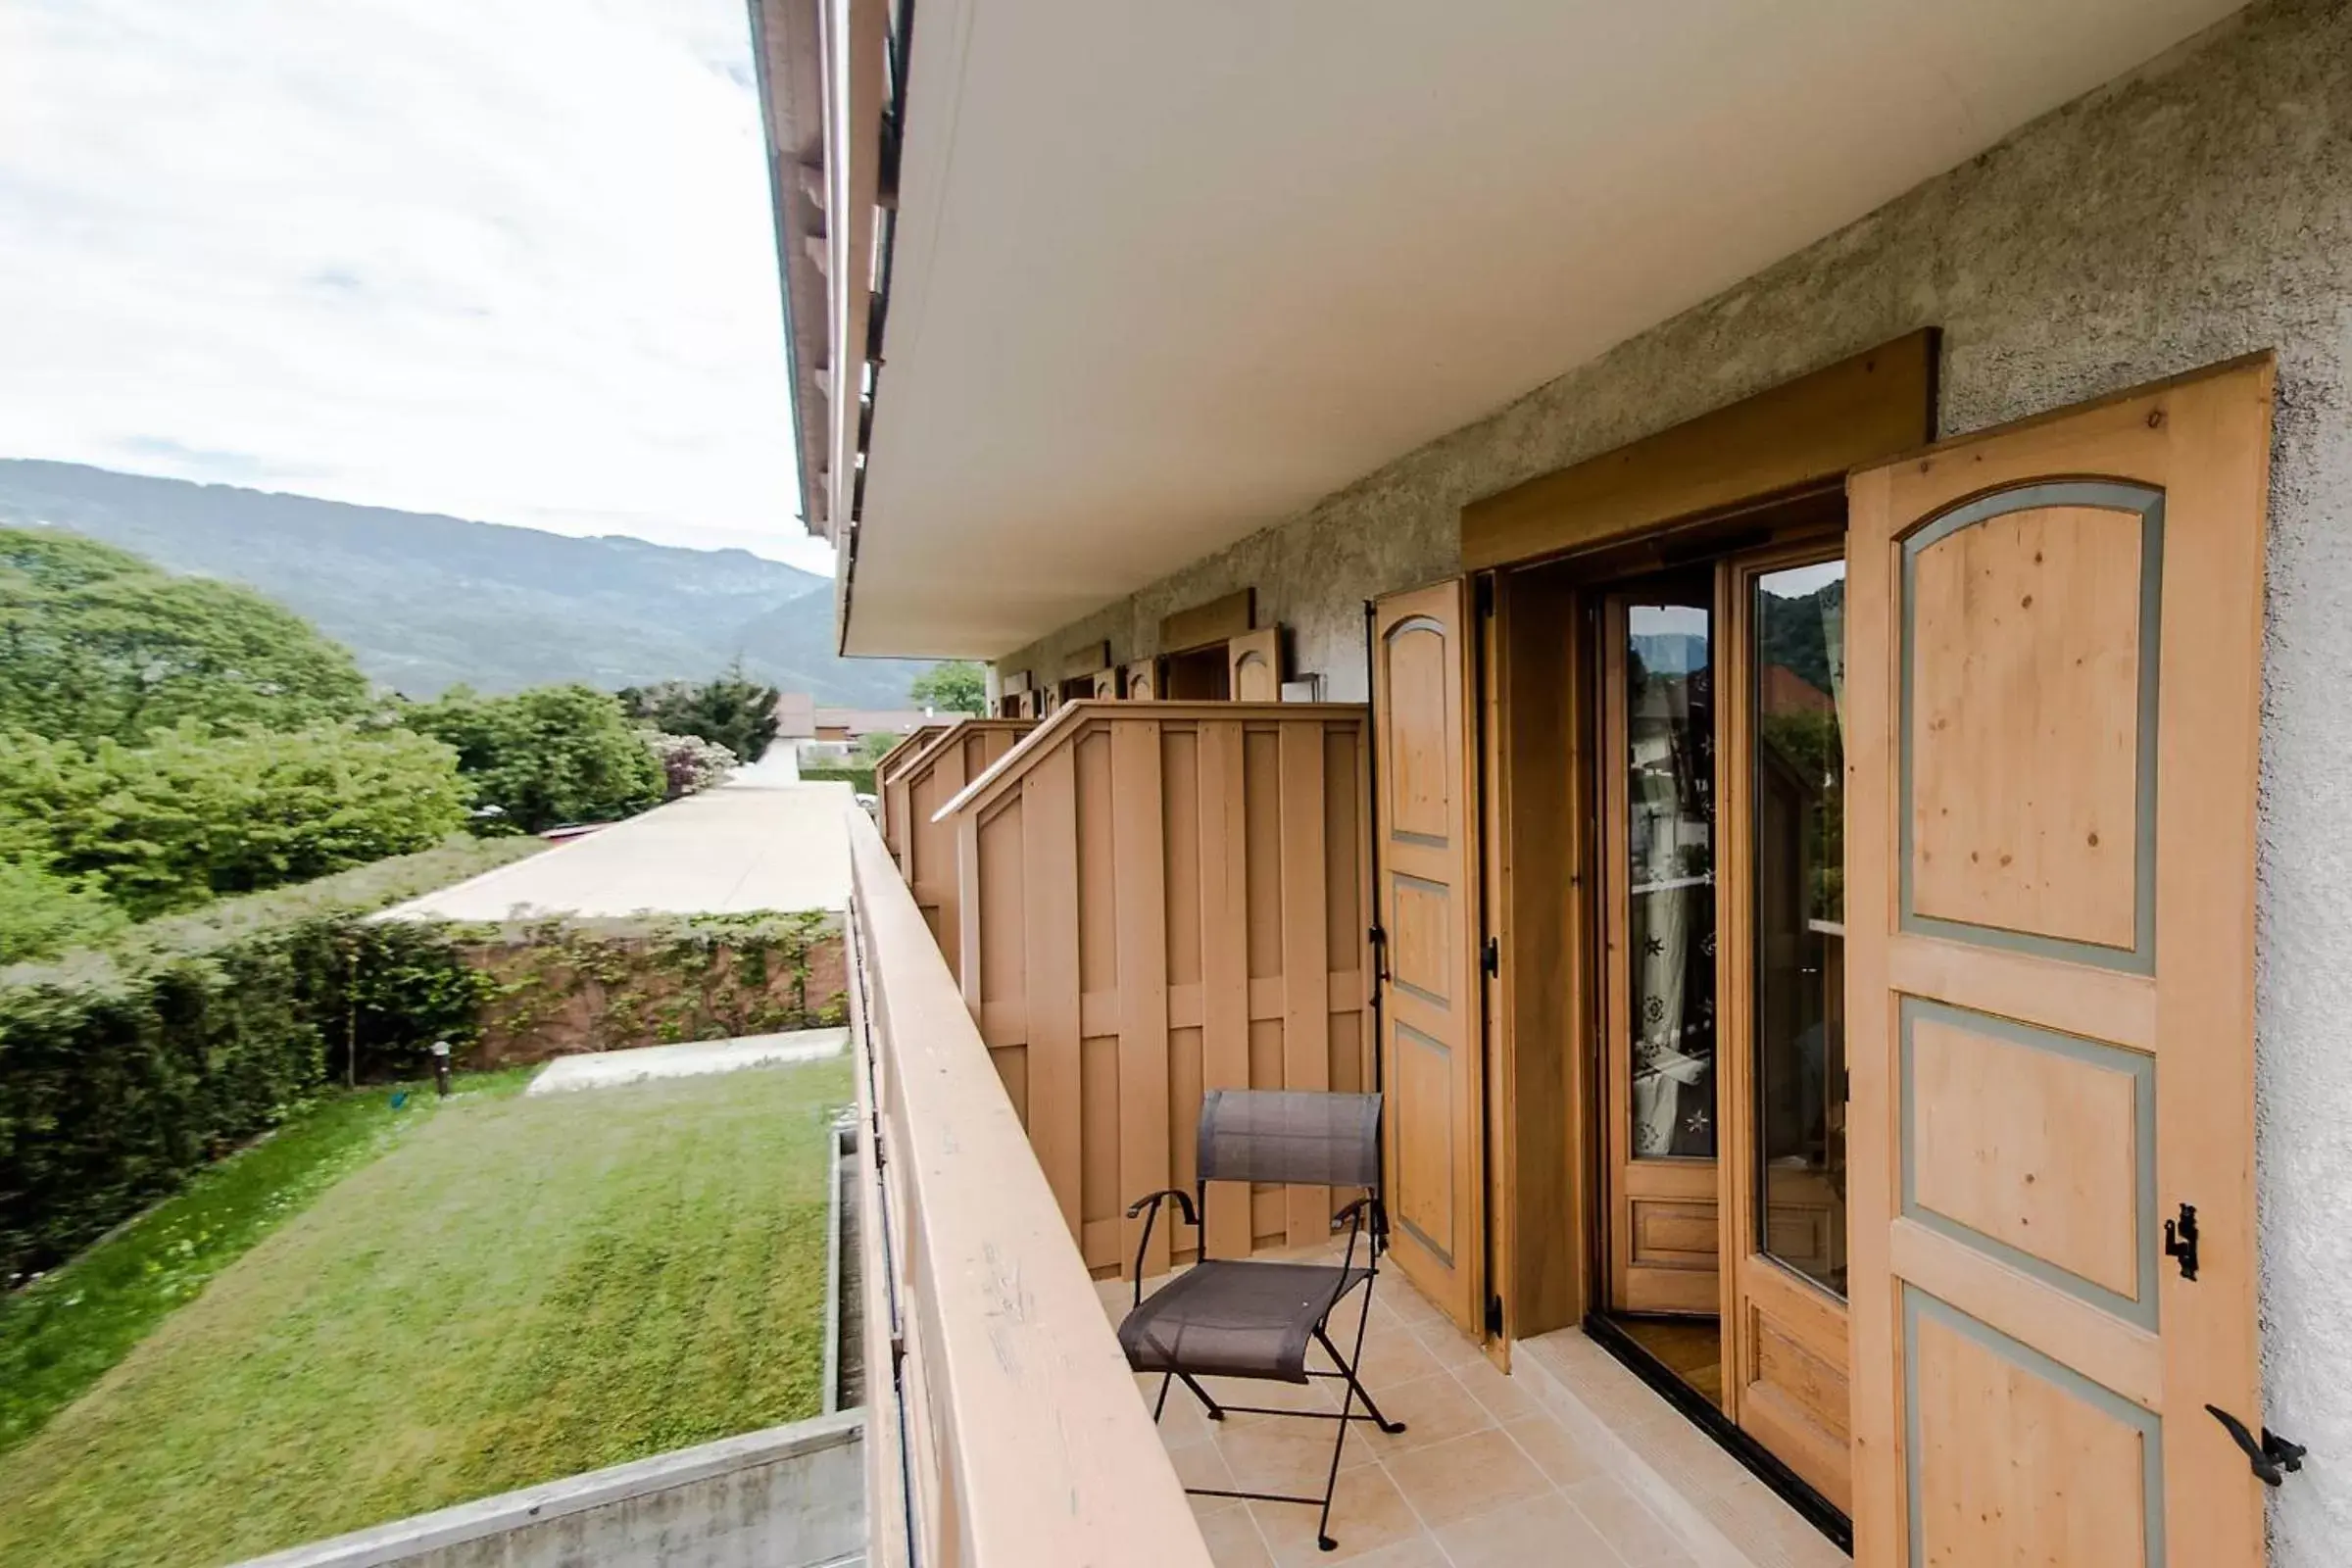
pixel 428 602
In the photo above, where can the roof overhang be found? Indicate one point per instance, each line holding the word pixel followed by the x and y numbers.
pixel 1162 275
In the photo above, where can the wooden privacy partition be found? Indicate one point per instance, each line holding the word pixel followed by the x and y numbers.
pixel 1161 898
pixel 888 771
pixel 926 854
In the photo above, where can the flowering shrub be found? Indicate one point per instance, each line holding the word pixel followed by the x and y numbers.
pixel 689 763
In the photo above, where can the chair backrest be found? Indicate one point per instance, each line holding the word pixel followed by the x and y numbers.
pixel 1290 1136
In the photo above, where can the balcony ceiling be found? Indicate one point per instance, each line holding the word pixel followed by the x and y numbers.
pixel 1170 271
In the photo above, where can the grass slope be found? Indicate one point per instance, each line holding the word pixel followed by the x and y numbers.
pixel 63 1333
pixel 520 1290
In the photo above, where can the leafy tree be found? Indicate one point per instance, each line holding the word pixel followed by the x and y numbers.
pixel 544 757
pixel 194 814
pixel 872 748
pixel 957 686
pixel 42 912
pixel 732 710
pixel 96 644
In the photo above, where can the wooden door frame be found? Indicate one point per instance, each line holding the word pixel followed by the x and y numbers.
pixel 1533 698
pixel 1536 690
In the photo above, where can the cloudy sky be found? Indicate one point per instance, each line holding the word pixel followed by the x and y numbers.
pixel 507 259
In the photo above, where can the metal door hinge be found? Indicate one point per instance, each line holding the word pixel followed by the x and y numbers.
pixel 1494 1314
pixel 2181 1240
pixel 2273 1458
pixel 1492 958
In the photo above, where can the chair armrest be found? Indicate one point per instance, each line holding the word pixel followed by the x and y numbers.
pixel 1366 1213
pixel 1149 1205
pixel 1152 1200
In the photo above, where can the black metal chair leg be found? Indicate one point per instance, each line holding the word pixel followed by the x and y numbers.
pixel 1355 1387
pixel 1216 1411
pixel 1331 1482
pixel 1162 1403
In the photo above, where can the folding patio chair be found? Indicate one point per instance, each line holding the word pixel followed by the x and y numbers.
pixel 1243 1318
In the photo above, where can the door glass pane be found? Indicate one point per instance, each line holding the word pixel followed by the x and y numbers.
pixel 1670 741
pixel 1800 660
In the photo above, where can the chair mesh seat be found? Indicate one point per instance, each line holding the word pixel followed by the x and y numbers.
pixel 1234 1319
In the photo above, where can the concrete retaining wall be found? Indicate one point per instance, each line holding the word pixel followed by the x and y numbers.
pixel 791 1497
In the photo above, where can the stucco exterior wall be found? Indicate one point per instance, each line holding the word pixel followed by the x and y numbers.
pixel 2197 210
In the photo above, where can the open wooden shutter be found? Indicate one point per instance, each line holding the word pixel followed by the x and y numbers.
pixel 1143 680
pixel 1256 663
pixel 2053 683
pixel 1427 895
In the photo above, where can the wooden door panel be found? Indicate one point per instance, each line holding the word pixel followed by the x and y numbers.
pixel 2049 983
pixel 2036 1148
pixel 1790 1384
pixel 1671 1244
pixel 2025 674
pixel 1425 1165
pixel 2020 1460
pixel 1427 897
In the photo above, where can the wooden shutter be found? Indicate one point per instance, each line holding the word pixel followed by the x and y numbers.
pixel 1256 660
pixel 2053 682
pixel 1427 895
pixel 1143 680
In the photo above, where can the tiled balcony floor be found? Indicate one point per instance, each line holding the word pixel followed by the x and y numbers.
pixel 1570 1459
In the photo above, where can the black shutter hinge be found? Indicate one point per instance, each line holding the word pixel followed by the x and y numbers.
pixel 2273 1458
pixel 2181 1240
pixel 1494 1314
pixel 1491 959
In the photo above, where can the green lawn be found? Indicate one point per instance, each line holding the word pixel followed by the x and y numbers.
pixel 516 1290
pixel 61 1335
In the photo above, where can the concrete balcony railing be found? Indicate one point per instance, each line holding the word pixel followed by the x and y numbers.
pixel 1004 1425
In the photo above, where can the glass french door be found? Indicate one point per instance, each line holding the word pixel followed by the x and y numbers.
pixel 1720 783
pixel 1659 861
pixel 1784 1036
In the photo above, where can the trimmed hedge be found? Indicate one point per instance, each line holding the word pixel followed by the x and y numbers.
pixel 126 1067
pixel 862 779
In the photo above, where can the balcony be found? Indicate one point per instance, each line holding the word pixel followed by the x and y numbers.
pixel 1005 1425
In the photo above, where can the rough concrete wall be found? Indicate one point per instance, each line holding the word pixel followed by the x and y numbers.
pixel 787 1497
pixel 2197 210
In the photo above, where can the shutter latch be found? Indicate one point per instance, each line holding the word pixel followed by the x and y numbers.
pixel 2181 1240
pixel 2272 1459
